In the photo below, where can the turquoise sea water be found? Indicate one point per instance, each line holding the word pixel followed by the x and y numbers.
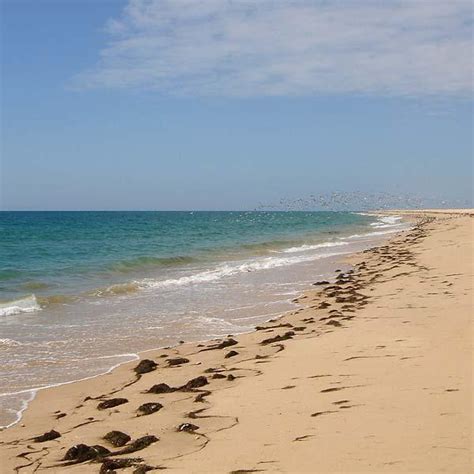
pixel 83 291
pixel 66 253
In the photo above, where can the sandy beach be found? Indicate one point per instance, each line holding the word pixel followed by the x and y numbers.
pixel 373 373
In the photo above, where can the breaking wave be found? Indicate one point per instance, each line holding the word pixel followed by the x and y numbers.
pixel 118 289
pixel 387 221
pixel 304 248
pixel 24 305
pixel 226 270
pixel 144 262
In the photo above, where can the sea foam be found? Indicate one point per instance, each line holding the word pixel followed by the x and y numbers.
pixel 28 304
pixel 374 234
pixel 387 221
pixel 306 247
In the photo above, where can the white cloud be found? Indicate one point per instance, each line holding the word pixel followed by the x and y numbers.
pixel 288 47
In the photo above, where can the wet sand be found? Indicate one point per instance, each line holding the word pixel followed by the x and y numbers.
pixel 372 374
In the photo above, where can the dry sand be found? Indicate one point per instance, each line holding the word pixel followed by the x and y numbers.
pixel 373 374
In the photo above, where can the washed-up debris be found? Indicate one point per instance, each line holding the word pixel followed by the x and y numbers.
pixel 82 452
pixel 194 383
pixel 187 427
pixel 161 388
pixel 145 366
pixel 113 402
pixel 149 408
pixel 284 337
pixel 177 361
pixel 48 436
pixel 138 445
pixel 117 438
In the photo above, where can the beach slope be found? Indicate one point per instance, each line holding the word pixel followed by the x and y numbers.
pixel 372 374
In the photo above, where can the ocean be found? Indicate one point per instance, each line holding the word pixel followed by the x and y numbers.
pixel 82 292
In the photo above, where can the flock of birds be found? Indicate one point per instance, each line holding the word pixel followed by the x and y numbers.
pixel 359 201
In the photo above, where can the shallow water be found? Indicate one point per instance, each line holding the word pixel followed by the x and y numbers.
pixel 82 292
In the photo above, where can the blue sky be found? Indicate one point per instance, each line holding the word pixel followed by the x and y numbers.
pixel 224 105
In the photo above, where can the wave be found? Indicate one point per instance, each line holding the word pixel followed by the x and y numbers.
pixel 304 248
pixel 56 299
pixel 387 221
pixel 385 226
pixel 118 289
pixel 373 234
pixel 9 274
pixel 267 246
pixel 23 305
pixel 226 270
pixel 221 271
pixel 147 261
pixel 35 285
pixel 32 303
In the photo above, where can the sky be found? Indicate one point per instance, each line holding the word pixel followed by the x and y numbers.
pixel 228 104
